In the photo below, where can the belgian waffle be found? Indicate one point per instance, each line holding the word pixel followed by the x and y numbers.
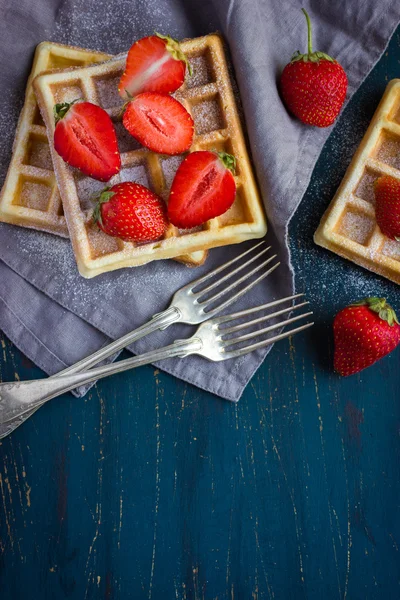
pixel 30 196
pixel 349 227
pixel 208 96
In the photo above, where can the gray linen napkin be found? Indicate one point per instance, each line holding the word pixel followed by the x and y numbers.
pixel 56 317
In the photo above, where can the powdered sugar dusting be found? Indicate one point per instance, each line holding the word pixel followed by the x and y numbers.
pixel 388 150
pixel 391 248
pixel 100 243
pixel 88 191
pixel 201 72
pixel 169 167
pixel 68 93
pixel 136 173
pixel 356 226
pixel 55 262
pixel 107 91
pixel 35 194
pixel 365 187
pixel 207 116
pixel 38 154
pixel 82 23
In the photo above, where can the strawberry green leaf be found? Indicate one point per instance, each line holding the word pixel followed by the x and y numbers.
pixel 381 307
pixel 229 161
pixel 175 50
pixel 105 196
pixel 61 109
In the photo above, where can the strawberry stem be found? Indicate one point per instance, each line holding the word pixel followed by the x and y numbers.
pixel 309 36
pixel 125 104
pixel 310 56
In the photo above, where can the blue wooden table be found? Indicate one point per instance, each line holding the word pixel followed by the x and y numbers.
pixel 150 488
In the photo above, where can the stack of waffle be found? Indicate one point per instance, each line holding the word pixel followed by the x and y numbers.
pixel 42 192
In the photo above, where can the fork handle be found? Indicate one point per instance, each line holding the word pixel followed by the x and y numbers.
pixel 18 398
pixel 158 321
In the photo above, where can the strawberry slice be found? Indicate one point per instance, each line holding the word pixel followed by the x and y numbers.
pixel 131 212
pixel 159 122
pixel 203 188
pixel 85 138
pixel 154 64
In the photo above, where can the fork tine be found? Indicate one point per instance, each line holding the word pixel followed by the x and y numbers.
pixel 262 344
pixel 257 333
pixel 240 293
pixel 237 282
pixel 249 311
pixel 207 276
pixel 231 273
pixel 248 324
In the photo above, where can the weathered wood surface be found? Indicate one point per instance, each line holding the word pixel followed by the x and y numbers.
pixel 150 488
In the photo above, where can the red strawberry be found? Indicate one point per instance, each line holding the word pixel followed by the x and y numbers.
pixel 364 332
pixel 314 86
pixel 159 122
pixel 203 188
pixel 153 64
pixel 131 212
pixel 85 138
pixel 387 208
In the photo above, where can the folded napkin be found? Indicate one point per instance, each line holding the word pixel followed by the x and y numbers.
pixel 55 316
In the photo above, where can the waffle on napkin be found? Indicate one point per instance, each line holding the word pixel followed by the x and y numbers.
pixel 30 196
pixel 209 97
pixel 348 226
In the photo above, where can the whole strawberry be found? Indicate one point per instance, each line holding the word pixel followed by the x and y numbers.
pixel 387 208
pixel 314 86
pixel 364 332
pixel 132 212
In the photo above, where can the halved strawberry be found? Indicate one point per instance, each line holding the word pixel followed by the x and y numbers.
pixel 131 212
pixel 85 138
pixel 159 122
pixel 154 64
pixel 203 188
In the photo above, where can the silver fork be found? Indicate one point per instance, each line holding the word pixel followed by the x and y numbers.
pixel 216 339
pixel 192 304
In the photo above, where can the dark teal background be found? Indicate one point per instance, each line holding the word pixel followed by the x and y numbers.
pixel 150 488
